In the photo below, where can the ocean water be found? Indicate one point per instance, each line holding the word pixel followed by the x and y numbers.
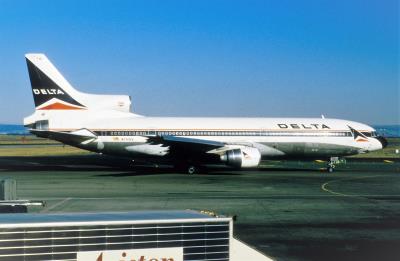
pixel 12 129
pixel 388 130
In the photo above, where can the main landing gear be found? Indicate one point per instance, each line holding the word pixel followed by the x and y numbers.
pixel 191 169
pixel 187 168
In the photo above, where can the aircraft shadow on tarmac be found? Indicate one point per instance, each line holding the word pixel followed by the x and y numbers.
pixel 106 163
pixel 95 163
pixel 157 171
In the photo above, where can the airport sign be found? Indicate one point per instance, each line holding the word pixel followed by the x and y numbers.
pixel 148 254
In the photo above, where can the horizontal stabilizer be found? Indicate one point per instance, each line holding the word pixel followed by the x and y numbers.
pixel 73 138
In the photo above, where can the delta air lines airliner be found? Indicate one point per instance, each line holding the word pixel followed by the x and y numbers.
pixel 105 124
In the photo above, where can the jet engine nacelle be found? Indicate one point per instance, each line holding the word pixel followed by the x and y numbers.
pixel 242 158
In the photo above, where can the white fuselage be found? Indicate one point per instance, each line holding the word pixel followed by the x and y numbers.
pixel 273 137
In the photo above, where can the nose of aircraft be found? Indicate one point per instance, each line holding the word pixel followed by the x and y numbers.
pixel 383 141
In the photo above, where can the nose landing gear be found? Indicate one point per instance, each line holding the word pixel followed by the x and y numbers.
pixel 331 164
pixel 331 168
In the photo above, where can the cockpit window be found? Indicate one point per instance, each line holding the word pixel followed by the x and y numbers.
pixel 369 134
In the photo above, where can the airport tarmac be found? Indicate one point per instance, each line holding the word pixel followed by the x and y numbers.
pixel 287 210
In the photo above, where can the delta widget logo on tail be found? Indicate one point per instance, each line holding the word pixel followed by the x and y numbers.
pixel 47 94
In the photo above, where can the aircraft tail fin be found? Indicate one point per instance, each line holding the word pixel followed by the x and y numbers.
pixel 51 91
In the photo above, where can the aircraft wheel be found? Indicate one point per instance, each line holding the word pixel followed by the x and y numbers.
pixel 192 170
pixel 330 169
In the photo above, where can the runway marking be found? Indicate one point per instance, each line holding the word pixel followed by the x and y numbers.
pixel 324 186
pixel 55 205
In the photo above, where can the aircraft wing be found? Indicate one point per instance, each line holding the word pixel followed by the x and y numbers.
pixel 186 145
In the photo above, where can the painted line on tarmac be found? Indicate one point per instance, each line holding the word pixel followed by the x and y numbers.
pixel 324 186
pixel 45 210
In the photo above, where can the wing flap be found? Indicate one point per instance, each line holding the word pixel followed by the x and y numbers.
pixel 183 144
